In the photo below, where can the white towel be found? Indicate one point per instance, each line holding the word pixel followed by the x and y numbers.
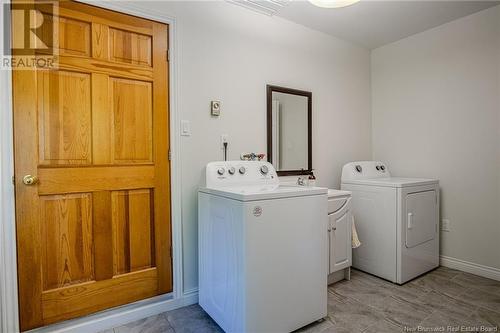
pixel 355 240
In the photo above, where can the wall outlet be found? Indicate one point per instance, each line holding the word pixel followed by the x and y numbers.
pixel 223 138
pixel 445 225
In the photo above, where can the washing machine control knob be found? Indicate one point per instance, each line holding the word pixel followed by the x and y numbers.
pixel 359 168
pixel 231 170
pixel 242 170
pixel 264 169
pixel 382 168
pixel 377 167
pixel 221 171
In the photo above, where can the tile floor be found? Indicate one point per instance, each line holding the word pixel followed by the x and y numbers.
pixel 441 298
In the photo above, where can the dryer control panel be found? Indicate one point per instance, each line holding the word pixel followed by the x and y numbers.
pixel 237 173
pixel 365 170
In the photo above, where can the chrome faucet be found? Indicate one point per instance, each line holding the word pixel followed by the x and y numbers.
pixel 301 181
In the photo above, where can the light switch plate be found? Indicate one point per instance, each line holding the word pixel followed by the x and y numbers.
pixel 215 108
pixel 185 128
pixel 445 225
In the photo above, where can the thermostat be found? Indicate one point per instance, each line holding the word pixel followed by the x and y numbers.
pixel 215 107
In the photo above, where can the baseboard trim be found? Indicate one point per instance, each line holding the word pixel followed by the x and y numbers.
pixel 193 291
pixel 470 267
pixel 121 315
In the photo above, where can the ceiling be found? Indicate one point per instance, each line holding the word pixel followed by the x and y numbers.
pixel 375 23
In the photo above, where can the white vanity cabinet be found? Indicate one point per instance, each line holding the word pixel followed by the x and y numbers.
pixel 339 235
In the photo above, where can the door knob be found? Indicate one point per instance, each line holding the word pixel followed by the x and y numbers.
pixel 30 180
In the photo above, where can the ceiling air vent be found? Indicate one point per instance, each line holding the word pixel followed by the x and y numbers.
pixel 266 7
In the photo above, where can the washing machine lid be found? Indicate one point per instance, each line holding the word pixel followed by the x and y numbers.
pixel 376 173
pixel 264 192
pixel 250 181
pixel 392 182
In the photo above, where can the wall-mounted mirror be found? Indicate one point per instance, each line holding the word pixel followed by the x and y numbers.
pixel 289 130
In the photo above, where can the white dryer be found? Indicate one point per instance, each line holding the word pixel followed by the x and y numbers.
pixel 397 221
pixel 262 249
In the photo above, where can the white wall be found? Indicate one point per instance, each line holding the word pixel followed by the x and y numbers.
pixel 436 113
pixel 229 53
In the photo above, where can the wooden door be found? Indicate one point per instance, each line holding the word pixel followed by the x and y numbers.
pixel 94 231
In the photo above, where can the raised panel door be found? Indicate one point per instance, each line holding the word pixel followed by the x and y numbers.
pixel 94 231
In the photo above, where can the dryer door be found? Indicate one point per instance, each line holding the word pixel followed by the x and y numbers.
pixel 421 212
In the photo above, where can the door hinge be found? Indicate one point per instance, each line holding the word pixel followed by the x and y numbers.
pixel 168 55
pixel 13 180
pixel 169 155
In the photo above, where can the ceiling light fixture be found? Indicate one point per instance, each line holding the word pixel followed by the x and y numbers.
pixel 333 3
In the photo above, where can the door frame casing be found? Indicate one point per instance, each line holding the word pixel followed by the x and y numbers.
pixel 9 315
pixel 9 312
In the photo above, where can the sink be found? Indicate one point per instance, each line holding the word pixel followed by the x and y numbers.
pixel 337 199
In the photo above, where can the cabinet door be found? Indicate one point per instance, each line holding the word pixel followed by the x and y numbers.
pixel 340 241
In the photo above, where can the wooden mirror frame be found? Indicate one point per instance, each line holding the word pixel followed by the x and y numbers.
pixel 308 94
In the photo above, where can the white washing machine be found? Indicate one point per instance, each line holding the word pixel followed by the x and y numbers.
pixel 262 249
pixel 397 221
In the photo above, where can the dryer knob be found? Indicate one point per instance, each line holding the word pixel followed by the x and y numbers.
pixel 382 168
pixel 264 169
pixel 231 170
pixel 377 167
pixel 221 171
pixel 359 168
pixel 242 170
